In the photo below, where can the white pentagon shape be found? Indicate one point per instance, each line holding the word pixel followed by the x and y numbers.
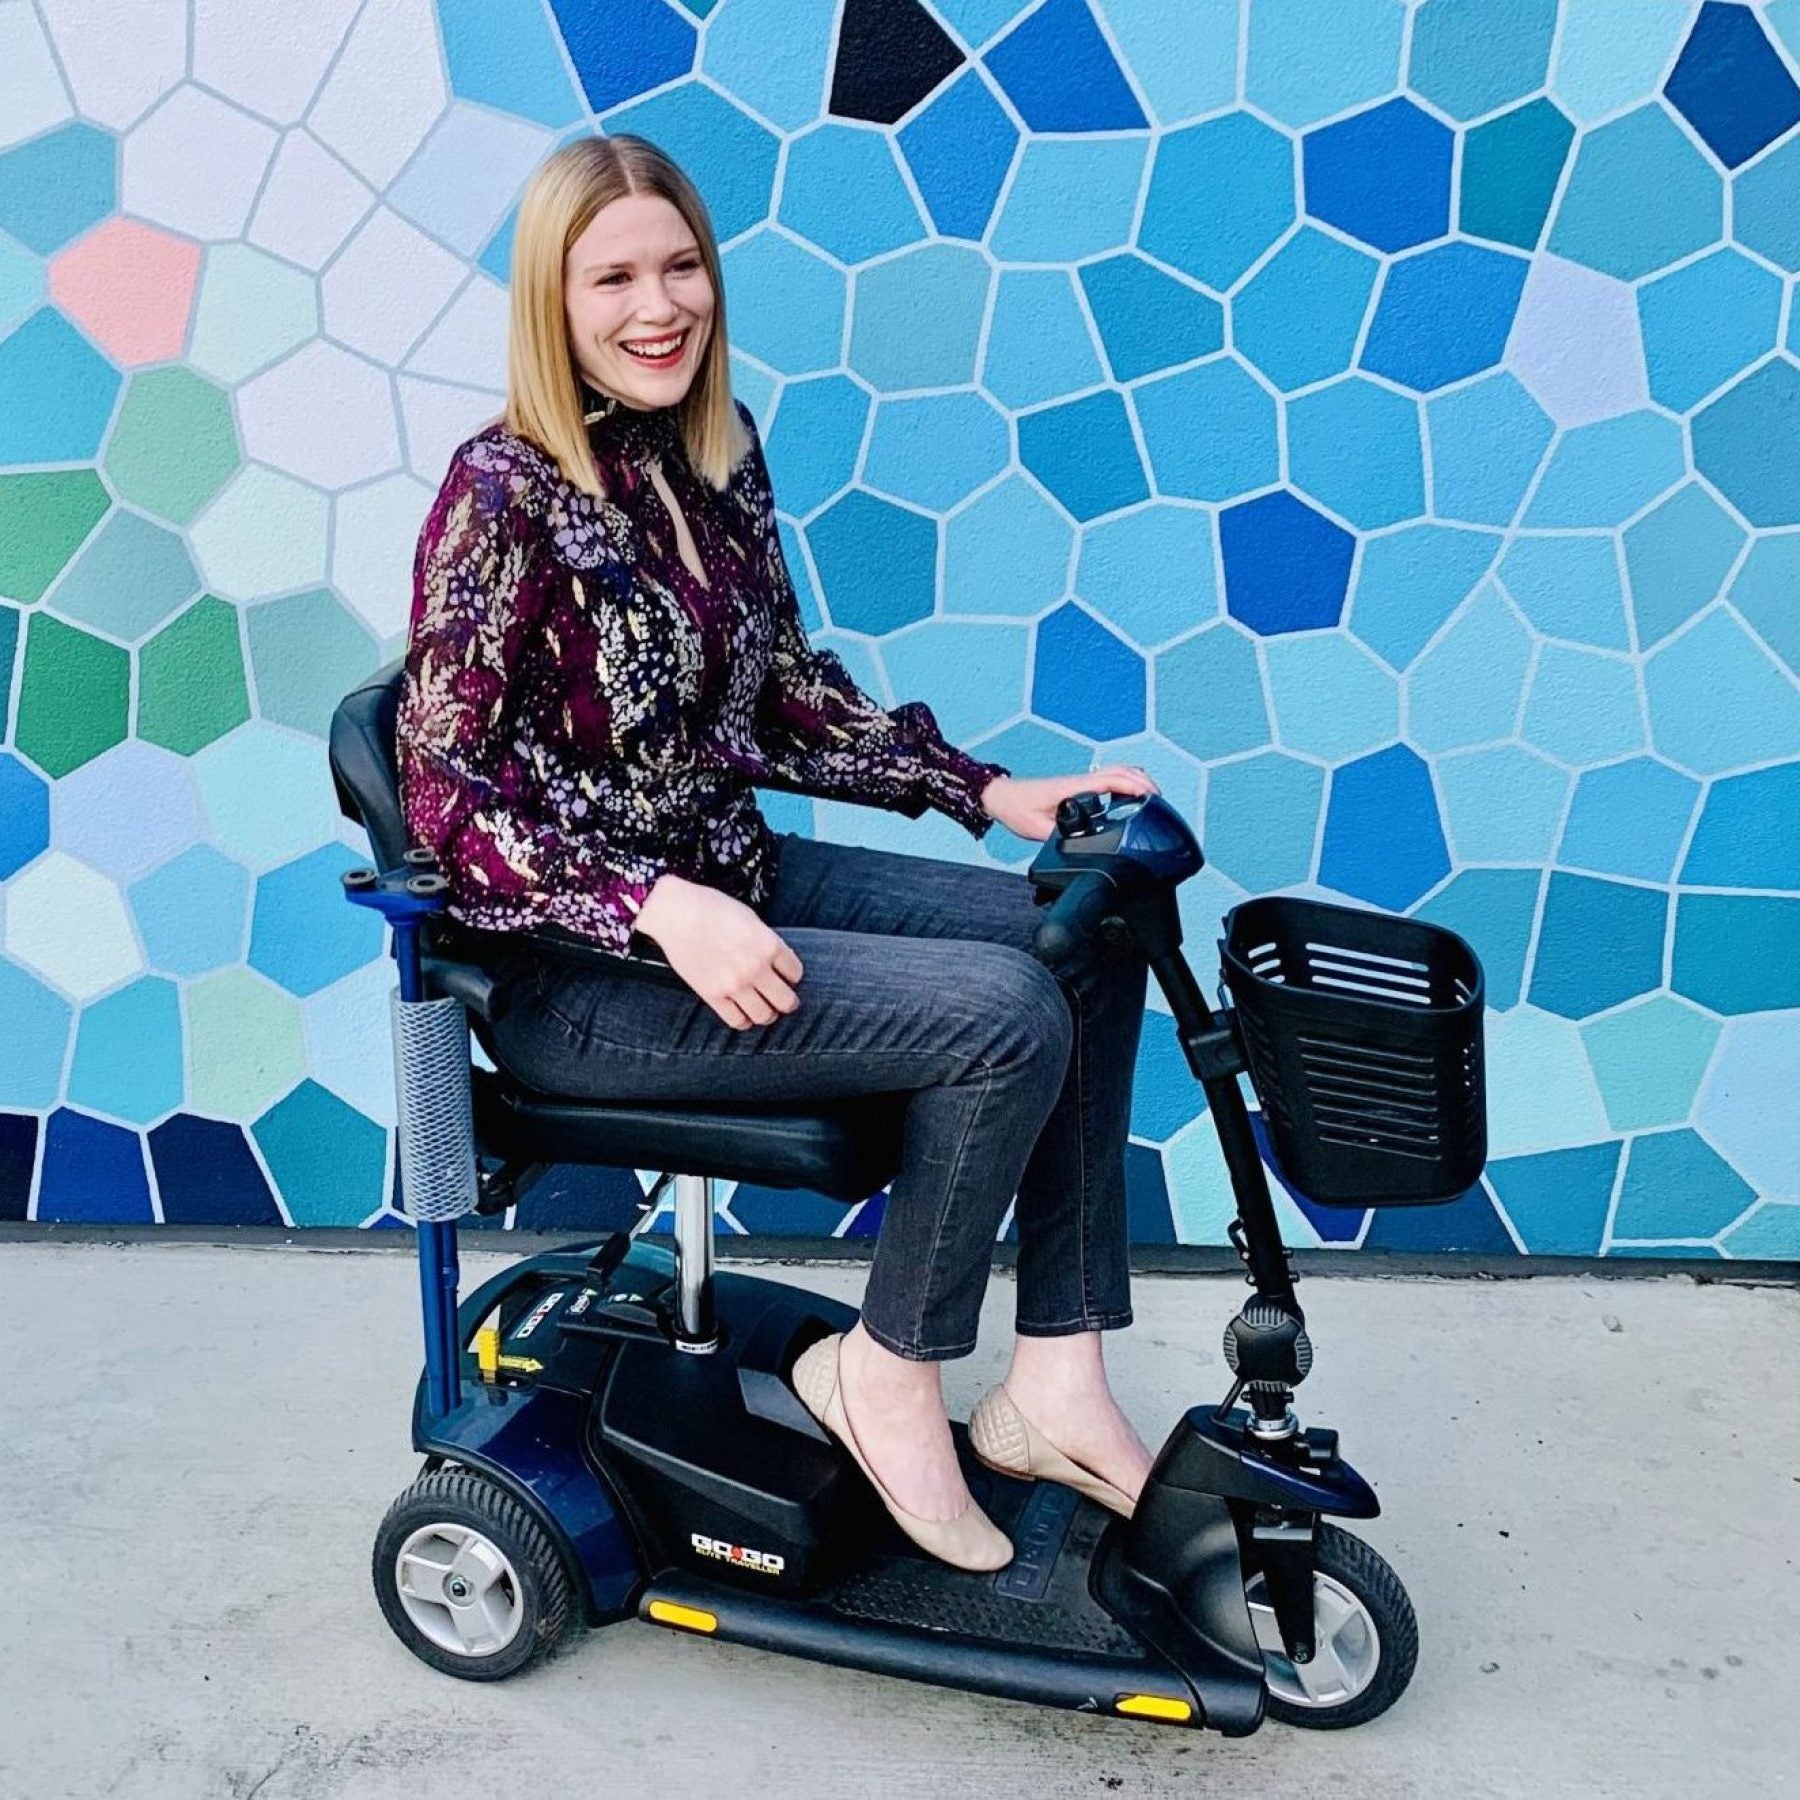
pixel 324 415
pixel 195 165
pixel 468 344
pixel 268 55
pixel 1576 343
pixel 372 550
pixel 437 418
pixel 386 91
pixel 127 811
pixel 265 534
pixel 68 924
pixel 349 1039
pixel 32 95
pixel 310 203
pixel 460 184
pixel 120 56
pixel 387 285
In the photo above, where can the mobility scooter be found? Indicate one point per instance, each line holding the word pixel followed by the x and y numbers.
pixel 608 1429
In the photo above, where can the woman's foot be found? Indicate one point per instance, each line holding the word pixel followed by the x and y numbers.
pixel 896 1409
pixel 1059 1384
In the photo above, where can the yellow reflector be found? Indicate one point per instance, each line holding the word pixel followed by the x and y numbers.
pixel 487 1352
pixel 689 1618
pixel 1154 1706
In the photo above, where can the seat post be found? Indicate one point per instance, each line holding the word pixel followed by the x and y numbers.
pixel 695 1328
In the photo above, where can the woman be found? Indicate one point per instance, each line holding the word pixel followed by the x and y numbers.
pixel 606 656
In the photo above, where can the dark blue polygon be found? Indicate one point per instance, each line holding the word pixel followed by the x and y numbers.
pixel 1087 678
pixel 865 1222
pixel 1149 320
pixel 1382 175
pixel 1600 943
pixel 624 47
pixel 1384 842
pixel 877 563
pixel 1287 568
pixel 1731 85
pixel 24 805
pixel 1057 70
pixel 18 1157
pixel 1468 1224
pixel 93 1173
pixel 206 1175
pixel 1334 1224
pixel 785 1212
pixel 959 149
pixel 1148 1218
pixel 1747 835
pixel 1444 314
pixel 580 1197
pixel 1084 453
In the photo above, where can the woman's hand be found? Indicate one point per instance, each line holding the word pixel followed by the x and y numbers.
pixel 722 950
pixel 1028 807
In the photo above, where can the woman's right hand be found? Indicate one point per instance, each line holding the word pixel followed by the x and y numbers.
pixel 722 950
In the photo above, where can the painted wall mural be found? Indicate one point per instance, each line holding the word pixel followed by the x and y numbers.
pixel 1380 420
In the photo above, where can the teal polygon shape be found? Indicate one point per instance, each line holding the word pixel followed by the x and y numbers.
pixel 1569 587
pixel 1149 320
pixel 307 651
pixel 1764 590
pixel 1747 444
pixel 21 283
pixel 918 318
pixel 1706 322
pixel 1209 695
pixel 1599 943
pixel 1220 194
pixel 328 1160
pixel 1469 56
pixel 1629 818
pixel 1495 911
pixel 877 563
pixel 1679 557
pixel 1746 836
pixel 266 794
pixel 1307 62
pixel 1466 688
pixel 815 441
pixel 504 54
pixel 1039 347
pixel 1070 198
pixel 1641 196
pixel 1600 474
pixel 1558 1199
pixel 191 912
pixel 1355 447
pixel 1007 552
pixel 1501 805
pixel 1331 698
pixel 1151 572
pixel 937 449
pixel 1262 820
pixel 302 935
pixel 1238 451
pixel 1583 707
pixel 842 189
pixel 1738 953
pixel 1487 441
pixel 1084 452
pixel 1718 702
pixel 1410 581
pixel 52 188
pixel 128 1052
pixel 1299 317
pixel 1765 206
pixel 131 576
pixel 1771 1232
pixel 1649 1059
pixel 1510 170
pixel 59 392
pixel 1678 1185
pixel 787 305
pixel 35 1038
pixel 728 156
pixel 772 54
pixel 974 672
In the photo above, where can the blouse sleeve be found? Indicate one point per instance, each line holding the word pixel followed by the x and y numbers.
pixel 468 787
pixel 822 735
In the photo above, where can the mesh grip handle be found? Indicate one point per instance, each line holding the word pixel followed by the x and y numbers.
pixel 437 1123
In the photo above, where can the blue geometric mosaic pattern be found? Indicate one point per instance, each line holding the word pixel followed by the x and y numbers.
pixel 1382 421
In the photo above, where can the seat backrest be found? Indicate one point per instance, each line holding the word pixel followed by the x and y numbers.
pixel 364 767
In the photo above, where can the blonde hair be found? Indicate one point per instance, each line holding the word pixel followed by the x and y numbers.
pixel 544 400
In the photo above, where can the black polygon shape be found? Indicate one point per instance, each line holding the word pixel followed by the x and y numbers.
pixel 891 54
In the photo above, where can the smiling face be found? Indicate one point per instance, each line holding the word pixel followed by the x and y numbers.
pixel 638 301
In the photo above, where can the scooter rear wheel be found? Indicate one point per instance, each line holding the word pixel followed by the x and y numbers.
pixel 1367 1639
pixel 468 1579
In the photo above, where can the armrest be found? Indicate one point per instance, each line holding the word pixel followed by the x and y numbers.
pixel 472 965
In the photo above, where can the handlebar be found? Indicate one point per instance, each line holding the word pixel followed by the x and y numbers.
pixel 1073 916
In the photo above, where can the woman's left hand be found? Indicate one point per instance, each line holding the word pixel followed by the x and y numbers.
pixel 1027 807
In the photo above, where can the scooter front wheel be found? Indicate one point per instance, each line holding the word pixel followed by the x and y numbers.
pixel 468 1579
pixel 1367 1639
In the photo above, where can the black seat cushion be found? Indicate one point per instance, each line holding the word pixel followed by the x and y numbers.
pixel 846 1149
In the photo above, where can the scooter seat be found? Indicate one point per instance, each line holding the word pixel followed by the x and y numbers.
pixel 846 1149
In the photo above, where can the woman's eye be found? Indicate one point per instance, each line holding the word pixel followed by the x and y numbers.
pixel 616 279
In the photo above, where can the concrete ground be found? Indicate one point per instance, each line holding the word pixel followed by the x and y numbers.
pixel 1592 1490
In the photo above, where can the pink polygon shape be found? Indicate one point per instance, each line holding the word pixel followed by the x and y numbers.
pixel 130 287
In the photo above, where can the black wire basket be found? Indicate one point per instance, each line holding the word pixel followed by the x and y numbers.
pixel 1362 1033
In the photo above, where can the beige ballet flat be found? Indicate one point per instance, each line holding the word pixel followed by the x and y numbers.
pixel 1008 1442
pixel 969 1541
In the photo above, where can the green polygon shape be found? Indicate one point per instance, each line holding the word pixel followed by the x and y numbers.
pixel 43 522
pixel 1649 1059
pixel 191 687
pixel 174 444
pixel 307 653
pixel 75 699
pixel 246 1046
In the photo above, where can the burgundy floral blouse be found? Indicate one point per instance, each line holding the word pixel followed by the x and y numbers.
pixel 580 714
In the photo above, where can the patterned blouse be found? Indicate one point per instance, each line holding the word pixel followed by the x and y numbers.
pixel 580 714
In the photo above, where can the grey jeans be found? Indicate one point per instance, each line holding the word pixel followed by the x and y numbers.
pixel 918 979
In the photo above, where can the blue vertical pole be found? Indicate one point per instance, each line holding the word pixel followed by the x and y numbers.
pixel 439 1274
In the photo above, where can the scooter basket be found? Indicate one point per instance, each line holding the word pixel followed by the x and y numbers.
pixel 1362 1034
